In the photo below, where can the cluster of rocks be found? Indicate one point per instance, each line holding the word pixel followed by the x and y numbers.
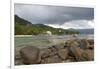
pixel 70 51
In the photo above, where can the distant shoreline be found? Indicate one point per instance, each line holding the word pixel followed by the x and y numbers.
pixel 23 35
pixel 81 36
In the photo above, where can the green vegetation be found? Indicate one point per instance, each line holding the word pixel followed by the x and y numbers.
pixel 24 27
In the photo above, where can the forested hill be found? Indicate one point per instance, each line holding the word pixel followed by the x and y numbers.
pixel 24 27
pixel 21 21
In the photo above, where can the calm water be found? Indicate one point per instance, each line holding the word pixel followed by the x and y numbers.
pixel 47 40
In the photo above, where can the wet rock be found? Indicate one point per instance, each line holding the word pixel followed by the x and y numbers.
pixel 63 54
pixel 30 55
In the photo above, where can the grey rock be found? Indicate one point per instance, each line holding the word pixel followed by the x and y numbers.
pixel 59 46
pixel 88 55
pixel 45 52
pixel 63 54
pixel 30 55
pixel 70 43
pixel 84 44
pixel 76 52
pixel 52 59
pixel 91 42
pixel 91 47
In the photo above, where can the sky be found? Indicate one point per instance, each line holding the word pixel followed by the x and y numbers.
pixel 57 16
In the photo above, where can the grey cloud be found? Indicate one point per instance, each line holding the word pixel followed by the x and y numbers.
pixel 53 14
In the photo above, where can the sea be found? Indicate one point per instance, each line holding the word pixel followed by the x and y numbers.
pixel 47 40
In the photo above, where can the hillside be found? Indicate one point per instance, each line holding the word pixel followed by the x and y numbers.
pixel 24 27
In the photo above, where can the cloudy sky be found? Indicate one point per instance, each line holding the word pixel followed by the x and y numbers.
pixel 57 16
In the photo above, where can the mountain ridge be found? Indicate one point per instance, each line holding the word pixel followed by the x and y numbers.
pixel 25 27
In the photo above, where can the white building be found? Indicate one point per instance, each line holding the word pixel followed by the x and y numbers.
pixel 49 33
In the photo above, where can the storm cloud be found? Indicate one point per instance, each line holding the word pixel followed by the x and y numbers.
pixel 55 15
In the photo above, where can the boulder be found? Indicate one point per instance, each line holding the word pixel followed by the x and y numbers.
pixel 76 52
pixel 53 53
pixel 91 42
pixel 91 47
pixel 63 54
pixel 59 46
pixel 18 62
pixel 52 59
pixel 88 55
pixel 53 50
pixel 30 55
pixel 70 43
pixel 67 43
pixel 84 44
pixel 45 52
pixel 74 43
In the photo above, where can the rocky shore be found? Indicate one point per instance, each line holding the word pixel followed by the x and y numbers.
pixel 75 50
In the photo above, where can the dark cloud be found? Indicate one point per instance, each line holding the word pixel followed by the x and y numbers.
pixel 53 14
